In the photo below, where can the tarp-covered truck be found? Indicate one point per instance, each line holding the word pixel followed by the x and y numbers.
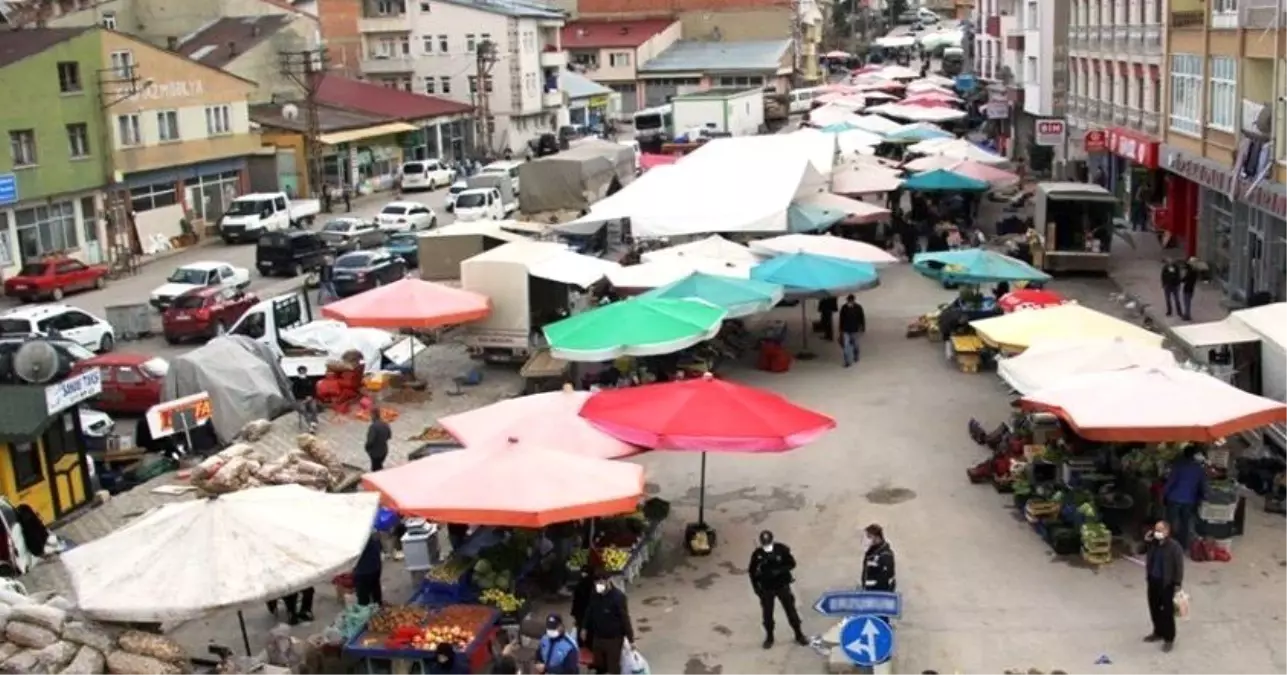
pixel 574 179
pixel 737 112
pixel 1076 222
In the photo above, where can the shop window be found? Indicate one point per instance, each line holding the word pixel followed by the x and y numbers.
pixel 152 196
pixel 24 461
pixel 43 230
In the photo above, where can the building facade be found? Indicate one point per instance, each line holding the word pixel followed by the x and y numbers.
pixel 691 66
pixel 251 48
pixel 611 52
pixel 164 23
pixel 54 168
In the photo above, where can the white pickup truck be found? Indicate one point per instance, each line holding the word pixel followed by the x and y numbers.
pixel 249 216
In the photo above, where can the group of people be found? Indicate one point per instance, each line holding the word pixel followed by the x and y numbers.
pixel 1179 281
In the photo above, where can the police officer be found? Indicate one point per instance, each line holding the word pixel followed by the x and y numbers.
pixel 770 572
pixel 877 561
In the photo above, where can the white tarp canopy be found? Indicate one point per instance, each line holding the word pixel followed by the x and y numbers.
pixel 819 146
pixel 855 210
pixel 552 261
pixel 191 558
pixel 825 245
pixel 853 141
pixel 831 113
pixel 475 228
pixel 876 124
pixel 1049 363
pixel 1267 322
pixel 918 113
pixel 713 247
pixel 668 270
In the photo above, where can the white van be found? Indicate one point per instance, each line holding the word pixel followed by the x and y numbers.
pixel 801 100
pixel 426 174
pixel 509 168
pixel 480 204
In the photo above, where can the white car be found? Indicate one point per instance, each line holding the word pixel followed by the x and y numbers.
pixel 453 192
pixel 406 217
pixel 199 275
pixel 480 204
pixel 70 323
pixel 426 174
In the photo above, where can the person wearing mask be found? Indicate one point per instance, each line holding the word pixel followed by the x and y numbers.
pixel 770 572
pixel 827 312
pixel 377 439
pixel 1183 493
pixel 444 661
pixel 1188 284
pixel 1171 278
pixel 367 572
pixel 607 625
pixel 1164 567
pixel 852 322
pixel 877 561
pixel 557 653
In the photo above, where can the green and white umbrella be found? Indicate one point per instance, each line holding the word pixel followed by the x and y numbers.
pixel 641 326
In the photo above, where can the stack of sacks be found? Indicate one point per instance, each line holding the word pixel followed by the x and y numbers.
pixel 239 467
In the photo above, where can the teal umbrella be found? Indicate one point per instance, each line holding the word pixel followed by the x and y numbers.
pixel 975 266
pixel 811 218
pixel 641 326
pixel 915 133
pixel 942 180
pixel 838 127
pixel 739 297
pixel 805 274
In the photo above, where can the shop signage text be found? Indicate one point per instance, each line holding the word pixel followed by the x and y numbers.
pixel 181 414
pixel 178 89
pixel 1095 141
pixel 63 395
pixel 8 189
pixel 1224 181
pixel 1139 150
pixel 599 101
pixel 1050 133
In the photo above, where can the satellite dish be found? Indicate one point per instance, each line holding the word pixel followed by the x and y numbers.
pixel 290 111
pixel 36 362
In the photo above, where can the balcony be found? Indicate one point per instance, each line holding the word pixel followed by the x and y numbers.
pixel 1119 115
pixel 552 98
pixel 1188 19
pixel 1119 39
pixel 1135 39
pixel 1151 123
pixel 393 23
pixel 379 64
pixel 1135 118
pixel 1153 40
pixel 554 58
pixel 1260 14
pixel 1092 38
pixel 992 26
pixel 1092 110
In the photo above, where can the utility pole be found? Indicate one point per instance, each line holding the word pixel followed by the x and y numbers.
pixel 481 96
pixel 306 69
pixel 797 44
pixel 116 84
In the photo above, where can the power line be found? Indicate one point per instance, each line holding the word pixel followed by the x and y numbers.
pixel 306 69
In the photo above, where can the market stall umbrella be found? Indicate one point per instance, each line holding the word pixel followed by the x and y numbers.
pixel 837 54
pixel 1020 330
pixel 738 297
pixel 854 210
pixel 930 147
pixel 190 558
pixel 946 83
pixel 963 149
pixel 1155 405
pixel 509 483
pixel 549 420
pixel 924 87
pixel 862 179
pixel 917 113
pixel 931 95
pixel 807 274
pixel 875 124
pixel 851 101
pixel 928 102
pixel 916 132
pixel 662 271
pixel 979 171
pixel 942 180
pixel 713 247
pixel 896 72
pixel 1030 298
pixel 827 245
pixel 932 162
pixel 1051 363
pixel 635 327
pixel 411 304
pixel 705 415
pixel 975 266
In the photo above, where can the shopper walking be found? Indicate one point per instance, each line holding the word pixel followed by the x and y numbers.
pixel 827 308
pixel 367 572
pixel 770 571
pixel 607 626
pixel 1164 567
pixel 1171 277
pixel 377 439
pixel 1189 273
pixel 1182 494
pixel 852 322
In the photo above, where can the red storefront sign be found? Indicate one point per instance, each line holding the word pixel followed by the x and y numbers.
pixel 1133 146
pixel 1096 140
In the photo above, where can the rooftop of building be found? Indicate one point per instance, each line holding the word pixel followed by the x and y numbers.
pixel 578 86
pixel 373 99
pixel 591 34
pixel 280 116
pixel 16 45
pixel 689 56
pixel 218 43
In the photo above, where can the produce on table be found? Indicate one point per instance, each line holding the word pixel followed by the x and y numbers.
pixel 502 600
pixel 389 619
pixel 614 559
pixel 454 624
pixel 449 572
pixel 434 434
pixel 486 577
pixel 457 637
pixel 579 559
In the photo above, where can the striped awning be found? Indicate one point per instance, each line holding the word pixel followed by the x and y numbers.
pixel 351 135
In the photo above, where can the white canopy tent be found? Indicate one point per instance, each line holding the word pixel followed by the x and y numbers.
pixel 667 270
pixel 852 141
pixel 1049 363
pixel 918 113
pixel 875 124
pixel 896 41
pixel 855 210
pixel 713 247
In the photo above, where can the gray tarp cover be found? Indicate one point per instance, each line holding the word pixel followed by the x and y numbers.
pixel 574 179
pixel 243 378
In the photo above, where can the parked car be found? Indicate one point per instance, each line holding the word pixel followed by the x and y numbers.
pixel 363 270
pixel 69 353
pixel 131 382
pixel 406 217
pixel 291 253
pixel 480 204
pixel 54 277
pixel 351 234
pixel 199 275
pixel 426 174
pixel 405 246
pixel 453 192
pixel 60 321
pixel 203 313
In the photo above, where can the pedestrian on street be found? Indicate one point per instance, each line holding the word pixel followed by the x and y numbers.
pixel 827 308
pixel 607 625
pixel 770 572
pixel 852 322
pixel 1184 488
pixel 367 572
pixel 1188 283
pixel 1171 277
pixel 558 654
pixel 877 561
pixel 348 200
pixel 377 439
pixel 1164 565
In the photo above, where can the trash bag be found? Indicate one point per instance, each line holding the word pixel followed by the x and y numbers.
pixel 632 661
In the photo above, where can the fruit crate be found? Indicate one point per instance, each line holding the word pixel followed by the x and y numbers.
pixel 461 590
pixel 473 659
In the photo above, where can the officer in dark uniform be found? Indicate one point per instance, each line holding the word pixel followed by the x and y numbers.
pixel 877 561
pixel 770 572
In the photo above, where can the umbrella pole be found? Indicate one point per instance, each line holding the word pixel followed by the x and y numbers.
pixel 701 495
pixel 804 354
pixel 245 637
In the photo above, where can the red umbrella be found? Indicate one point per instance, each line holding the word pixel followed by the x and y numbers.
pixel 704 415
pixel 1030 298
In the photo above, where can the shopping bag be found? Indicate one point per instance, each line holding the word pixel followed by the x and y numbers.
pixel 1181 605
pixel 632 661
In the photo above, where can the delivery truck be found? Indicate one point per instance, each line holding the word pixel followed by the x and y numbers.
pixel 732 111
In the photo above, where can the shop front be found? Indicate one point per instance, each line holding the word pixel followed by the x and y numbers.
pixel 589 112
pixel 1133 174
pixel 365 160
pixel 1240 225
pixel 438 138
pixel 30 231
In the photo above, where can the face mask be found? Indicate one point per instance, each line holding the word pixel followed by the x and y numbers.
pixel 552 633
pixel 601 588
pixel 866 543
pixel 442 661
pixel 767 548
pixel 1158 535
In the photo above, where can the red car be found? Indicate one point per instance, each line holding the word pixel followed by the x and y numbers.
pixel 205 312
pixel 54 277
pixel 131 382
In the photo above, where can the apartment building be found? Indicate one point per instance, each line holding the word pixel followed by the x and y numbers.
pixel 1223 148
pixel 432 47
pixel 611 52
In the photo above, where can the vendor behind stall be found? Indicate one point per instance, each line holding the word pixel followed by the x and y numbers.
pixel 444 661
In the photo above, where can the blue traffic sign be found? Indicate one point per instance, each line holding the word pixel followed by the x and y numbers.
pixel 867 640
pixel 849 603
pixel 8 189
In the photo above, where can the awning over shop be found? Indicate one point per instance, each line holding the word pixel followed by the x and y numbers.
pixel 366 132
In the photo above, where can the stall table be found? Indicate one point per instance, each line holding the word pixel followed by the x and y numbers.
pixel 376 659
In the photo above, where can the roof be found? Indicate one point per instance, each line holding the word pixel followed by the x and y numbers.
pixel 599 34
pixel 209 45
pixel 516 8
pixel 721 57
pixel 329 119
pixel 116 359
pixel 20 44
pixel 373 99
pixel 576 85
pixel 721 92
pixel 24 412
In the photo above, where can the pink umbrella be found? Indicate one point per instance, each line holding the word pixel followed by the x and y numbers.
pixel 649 160
pixel 931 96
pixel 551 420
pixel 867 70
pixel 927 102
pixel 983 172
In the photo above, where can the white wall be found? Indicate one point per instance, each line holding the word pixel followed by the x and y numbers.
pixel 1038 43
pixel 192 125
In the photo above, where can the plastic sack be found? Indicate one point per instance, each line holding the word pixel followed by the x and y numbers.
pixel 45 616
pixel 89 635
pixel 29 636
pixel 124 663
pixel 23 662
pixel 88 661
pixel 14 599
pixel 155 646
pixel 1181 605
pixel 55 657
pixel 632 661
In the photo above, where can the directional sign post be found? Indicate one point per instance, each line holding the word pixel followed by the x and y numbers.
pixel 867 640
pixel 851 603
pixel 8 189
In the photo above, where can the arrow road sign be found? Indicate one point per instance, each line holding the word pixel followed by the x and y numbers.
pixel 849 603
pixel 867 640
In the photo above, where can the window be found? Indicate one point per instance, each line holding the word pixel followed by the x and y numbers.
pixel 1031 69
pixel 109 20
pixel 78 140
pixel 127 130
pixel 1030 16
pixel 443 46
pixel 123 64
pixel 473 84
pixel 167 125
pixel 389 7
pixel 218 120
pixel 69 77
pixel 404 84
pixel 1224 93
pixel 1186 93
pixel 425 7
pixel 470 45
pixel 1224 14
pixel 25 464
pixel 430 85
pixel 152 196
pixel 619 59
pixel 445 82
pixel 426 44
pixel 485 37
pixel 44 230
pixel 22 147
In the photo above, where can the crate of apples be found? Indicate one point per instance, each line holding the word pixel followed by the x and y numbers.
pixel 456 636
